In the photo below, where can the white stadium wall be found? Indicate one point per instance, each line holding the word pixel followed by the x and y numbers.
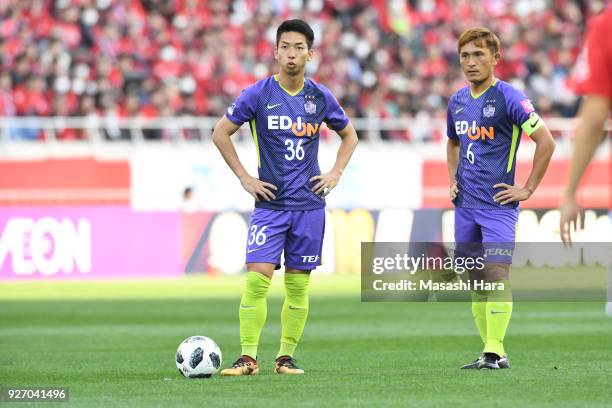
pixel 377 177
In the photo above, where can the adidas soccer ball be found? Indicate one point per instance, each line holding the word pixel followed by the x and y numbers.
pixel 198 357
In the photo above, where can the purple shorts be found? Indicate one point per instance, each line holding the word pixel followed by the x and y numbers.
pixel 298 233
pixel 487 233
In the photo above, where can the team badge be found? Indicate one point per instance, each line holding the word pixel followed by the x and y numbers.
pixel 310 107
pixel 488 111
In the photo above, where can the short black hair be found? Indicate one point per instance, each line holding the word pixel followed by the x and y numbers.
pixel 298 26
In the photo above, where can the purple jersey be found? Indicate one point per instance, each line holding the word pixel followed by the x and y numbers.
pixel 488 128
pixel 285 129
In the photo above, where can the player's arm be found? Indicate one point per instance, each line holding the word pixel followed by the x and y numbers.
pixel 589 133
pixel 545 146
pixel 593 77
pixel 222 133
pixel 453 148
pixel 453 152
pixel 327 181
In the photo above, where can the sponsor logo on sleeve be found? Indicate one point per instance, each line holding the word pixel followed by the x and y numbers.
pixel 230 108
pixel 527 106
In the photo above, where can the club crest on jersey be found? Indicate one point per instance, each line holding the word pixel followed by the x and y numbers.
pixel 488 111
pixel 309 106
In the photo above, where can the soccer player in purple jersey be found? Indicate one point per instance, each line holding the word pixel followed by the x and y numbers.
pixel 285 113
pixel 484 123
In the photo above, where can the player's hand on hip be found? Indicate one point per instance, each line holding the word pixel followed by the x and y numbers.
pixel 260 190
pixel 571 216
pixel 453 190
pixel 325 183
pixel 510 194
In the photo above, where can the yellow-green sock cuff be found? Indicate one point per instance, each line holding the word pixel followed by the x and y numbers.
pixel 286 349
pixel 495 346
pixel 253 312
pixel 258 277
pixel 297 278
pixel 294 313
pixel 250 351
pixel 479 295
pixel 500 294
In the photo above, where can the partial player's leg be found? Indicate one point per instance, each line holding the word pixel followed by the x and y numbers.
pixel 499 232
pixel 467 240
pixel 253 313
pixel 498 310
pixel 267 232
pixel 302 254
pixel 293 319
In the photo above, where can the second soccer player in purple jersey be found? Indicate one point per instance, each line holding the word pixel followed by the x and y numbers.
pixel 484 121
pixel 285 113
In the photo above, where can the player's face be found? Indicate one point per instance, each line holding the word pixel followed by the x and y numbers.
pixel 292 53
pixel 477 62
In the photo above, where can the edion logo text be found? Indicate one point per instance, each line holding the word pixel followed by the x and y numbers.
pixel 474 132
pixel 46 245
pixel 298 128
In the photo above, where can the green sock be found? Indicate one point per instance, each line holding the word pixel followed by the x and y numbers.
pixel 498 312
pixel 294 313
pixel 479 311
pixel 253 311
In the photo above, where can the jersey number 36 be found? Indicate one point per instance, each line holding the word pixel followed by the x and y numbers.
pixel 295 151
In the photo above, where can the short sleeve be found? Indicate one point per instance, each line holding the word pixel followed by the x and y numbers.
pixel 243 110
pixel 521 111
pixel 450 123
pixel 593 71
pixel 335 118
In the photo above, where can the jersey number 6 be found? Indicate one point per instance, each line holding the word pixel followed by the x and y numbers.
pixel 470 154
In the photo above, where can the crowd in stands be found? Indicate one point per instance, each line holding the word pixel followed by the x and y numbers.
pixel 381 58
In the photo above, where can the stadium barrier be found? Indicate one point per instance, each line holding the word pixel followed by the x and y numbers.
pixel 117 242
pixel 97 129
pixel 153 178
pixel 72 181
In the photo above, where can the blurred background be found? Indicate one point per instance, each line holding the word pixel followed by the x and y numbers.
pixel 107 169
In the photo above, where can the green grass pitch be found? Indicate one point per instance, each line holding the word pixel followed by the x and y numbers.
pixel 113 344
